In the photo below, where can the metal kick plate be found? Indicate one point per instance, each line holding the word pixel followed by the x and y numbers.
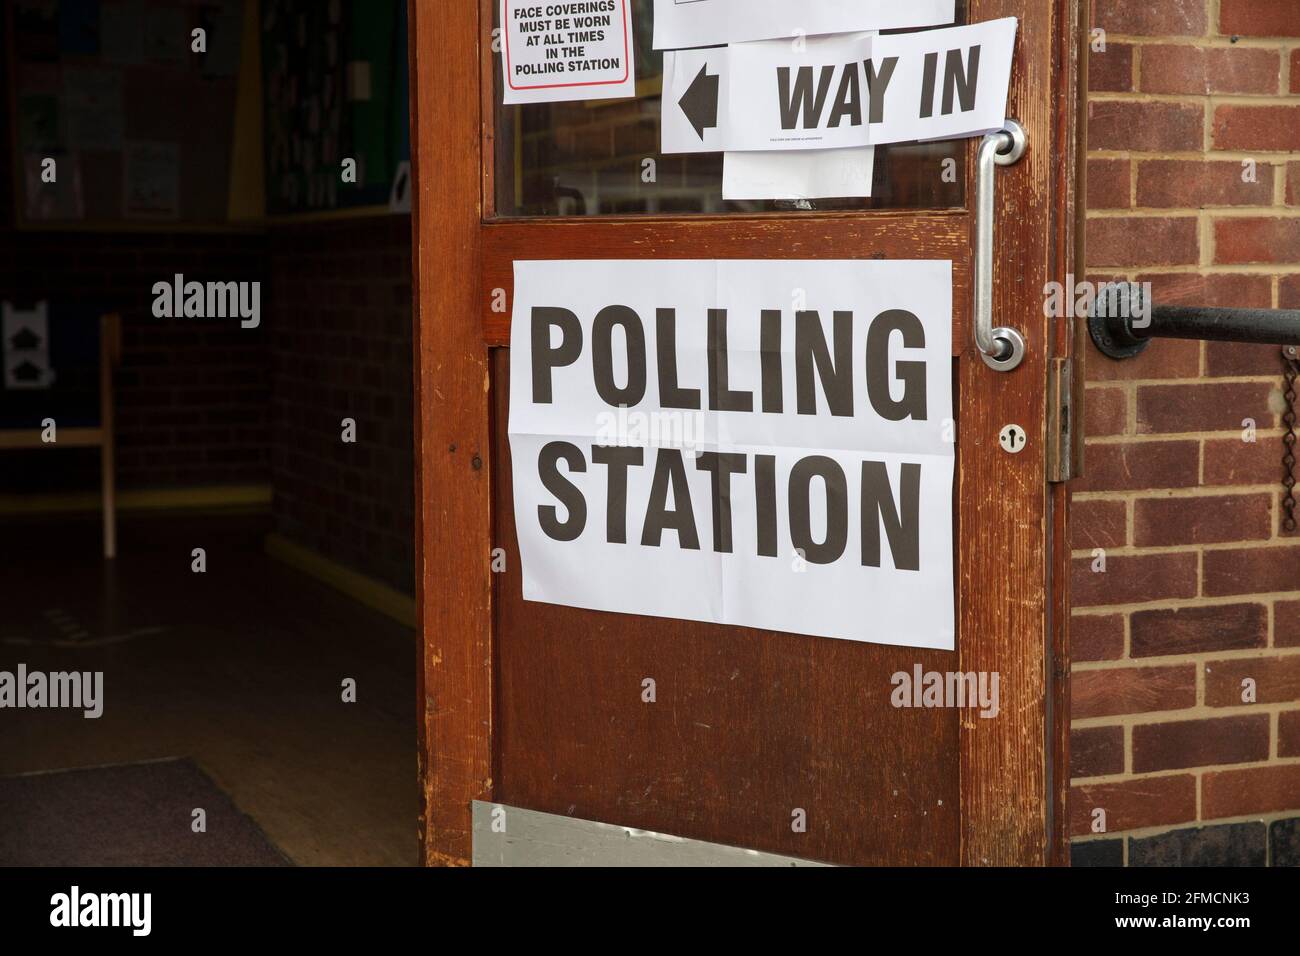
pixel 511 836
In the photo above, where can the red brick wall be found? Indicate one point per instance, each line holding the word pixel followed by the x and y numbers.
pixel 340 320
pixel 1201 586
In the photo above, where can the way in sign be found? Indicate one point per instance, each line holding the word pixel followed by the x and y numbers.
pixel 840 91
pixel 803 101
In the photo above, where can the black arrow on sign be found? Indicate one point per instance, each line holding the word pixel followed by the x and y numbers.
pixel 27 372
pixel 24 340
pixel 700 101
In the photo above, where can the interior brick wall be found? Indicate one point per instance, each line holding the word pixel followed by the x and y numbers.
pixel 203 403
pixel 341 340
pixel 210 403
pixel 192 396
pixel 1201 587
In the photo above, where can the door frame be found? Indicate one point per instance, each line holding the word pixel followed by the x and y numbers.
pixel 1014 769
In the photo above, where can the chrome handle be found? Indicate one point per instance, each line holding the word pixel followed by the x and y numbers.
pixel 1001 348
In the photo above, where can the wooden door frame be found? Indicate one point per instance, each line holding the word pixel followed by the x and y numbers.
pixel 1012 769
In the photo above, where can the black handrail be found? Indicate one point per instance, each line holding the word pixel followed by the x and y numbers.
pixel 1122 323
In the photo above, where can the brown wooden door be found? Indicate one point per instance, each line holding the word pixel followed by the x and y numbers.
pixel 538 705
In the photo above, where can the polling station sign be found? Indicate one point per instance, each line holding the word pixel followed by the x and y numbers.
pixel 766 443
pixel 839 91
pixel 553 50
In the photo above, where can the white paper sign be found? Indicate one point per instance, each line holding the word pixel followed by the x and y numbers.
pixel 799 174
pixel 399 195
pixel 92 100
pixel 765 443
pixel 688 23
pixel 151 181
pixel 25 337
pixel 839 91
pixel 554 50
pixel 696 91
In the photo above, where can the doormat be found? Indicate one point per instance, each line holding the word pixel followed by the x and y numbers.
pixel 139 814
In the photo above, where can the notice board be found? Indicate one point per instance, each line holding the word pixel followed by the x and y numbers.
pixel 138 125
pixel 335 87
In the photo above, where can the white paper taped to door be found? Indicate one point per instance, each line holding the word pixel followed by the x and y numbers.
pixel 690 23
pixel 766 443
pixel 799 174
pixel 839 91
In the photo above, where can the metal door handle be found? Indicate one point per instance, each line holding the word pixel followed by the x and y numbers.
pixel 1002 348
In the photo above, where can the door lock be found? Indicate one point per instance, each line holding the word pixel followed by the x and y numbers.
pixel 1012 438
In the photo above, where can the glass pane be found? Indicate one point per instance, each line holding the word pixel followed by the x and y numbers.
pixel 587 158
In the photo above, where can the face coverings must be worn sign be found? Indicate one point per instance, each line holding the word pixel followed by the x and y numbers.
pixel 766 443
pixel 554 50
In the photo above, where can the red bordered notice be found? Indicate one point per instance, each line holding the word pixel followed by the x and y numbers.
pixel 554 50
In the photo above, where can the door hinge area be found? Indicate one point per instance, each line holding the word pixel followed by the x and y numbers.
pixel 1060 419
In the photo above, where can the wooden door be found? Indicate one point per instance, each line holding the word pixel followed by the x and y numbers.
pixel 539 705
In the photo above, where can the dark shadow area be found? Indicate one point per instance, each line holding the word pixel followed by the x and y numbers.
pixel 205 273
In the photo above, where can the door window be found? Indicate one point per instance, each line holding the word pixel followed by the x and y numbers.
pixel 601 157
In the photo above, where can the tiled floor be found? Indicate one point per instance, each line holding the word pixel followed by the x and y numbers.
pixel 240 668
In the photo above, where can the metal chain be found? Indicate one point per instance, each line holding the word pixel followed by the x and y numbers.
pixel 1290 371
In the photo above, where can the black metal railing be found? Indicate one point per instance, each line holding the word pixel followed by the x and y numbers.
pixel 1122 322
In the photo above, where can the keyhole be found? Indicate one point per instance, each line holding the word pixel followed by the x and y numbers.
pixel 1012 439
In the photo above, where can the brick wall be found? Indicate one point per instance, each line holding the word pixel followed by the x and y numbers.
pixel 192 396
pixel 341 347
pixel 1201 587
